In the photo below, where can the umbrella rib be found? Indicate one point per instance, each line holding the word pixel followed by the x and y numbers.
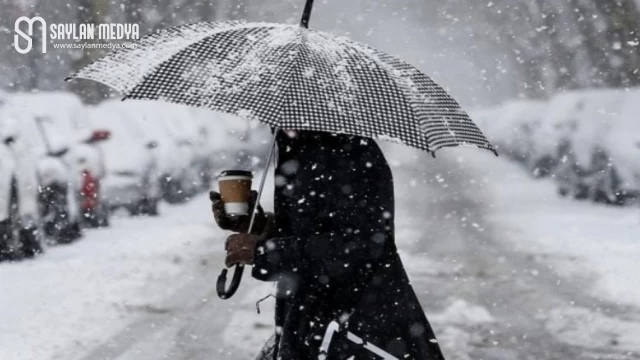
pixel 384 67
pixel 288 75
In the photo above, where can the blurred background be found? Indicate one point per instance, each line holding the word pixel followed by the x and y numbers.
pixel 529 256
pixel 485 51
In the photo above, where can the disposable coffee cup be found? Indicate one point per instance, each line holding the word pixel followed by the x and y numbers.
pixel 235 190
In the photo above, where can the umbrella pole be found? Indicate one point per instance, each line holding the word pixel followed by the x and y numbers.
pixel 263 180
pixel 221 285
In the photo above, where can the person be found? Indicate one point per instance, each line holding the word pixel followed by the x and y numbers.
pixel 330 247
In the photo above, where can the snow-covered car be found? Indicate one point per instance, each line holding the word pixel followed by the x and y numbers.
pixel 237 143
pixel 558 124
pixel 622 145
pixel 513 127
pixel 20 221
pixel 175 151
pixel 9 243
pixel 61 121
pixel 68 165
pixel 177 121
pixel 204 144
pixel 581 166
pixel 132 178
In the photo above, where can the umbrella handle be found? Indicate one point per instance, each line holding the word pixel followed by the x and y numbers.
pixel 221 285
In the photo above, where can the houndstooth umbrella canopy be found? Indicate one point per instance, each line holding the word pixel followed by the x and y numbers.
pixel 289 77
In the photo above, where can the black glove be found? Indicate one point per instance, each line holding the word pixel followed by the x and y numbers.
pixel 238 224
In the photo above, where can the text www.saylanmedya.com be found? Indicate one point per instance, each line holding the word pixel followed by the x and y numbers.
pixel 82 46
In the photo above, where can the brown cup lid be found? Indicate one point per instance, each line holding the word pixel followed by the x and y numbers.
pixel 236 173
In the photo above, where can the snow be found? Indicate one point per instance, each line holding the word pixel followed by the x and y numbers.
pixel 588 122
pixel 461 312
pixel 557 122
pixel 511 126
pixel 69 299
pixel 594 241
pixel 580 326
pixel 62 123
pixel 622 141
pixel 598 113
pixel 247 331
pixel 138 290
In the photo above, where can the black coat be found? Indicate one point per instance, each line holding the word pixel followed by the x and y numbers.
pixel 334 255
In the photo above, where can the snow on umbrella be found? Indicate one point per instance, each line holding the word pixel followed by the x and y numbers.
pixel 292 78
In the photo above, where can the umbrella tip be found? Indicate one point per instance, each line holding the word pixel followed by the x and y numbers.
pixel 495 152
pixel 433 154
pixel 306 14
pixel 68 78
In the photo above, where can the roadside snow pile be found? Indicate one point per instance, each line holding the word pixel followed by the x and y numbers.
pixel 588 141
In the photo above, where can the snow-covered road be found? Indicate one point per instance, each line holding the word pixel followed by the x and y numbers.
pixel 144 289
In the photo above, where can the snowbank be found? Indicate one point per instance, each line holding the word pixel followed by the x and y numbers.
pixel 588 140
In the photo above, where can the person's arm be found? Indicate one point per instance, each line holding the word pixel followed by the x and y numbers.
pixel 352 250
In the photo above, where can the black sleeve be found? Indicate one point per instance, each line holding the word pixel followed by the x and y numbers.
pixel 352 249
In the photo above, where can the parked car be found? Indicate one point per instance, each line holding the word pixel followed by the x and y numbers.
pixel 622 145
pixel 132 179
pixel 204 144
pixel 178 177
pixel 513 127
pixel 236 142
pixel 9 242
pixel 582 167
pixel 20 221
pixel 61 119
pixel 67 163
pixel 178 123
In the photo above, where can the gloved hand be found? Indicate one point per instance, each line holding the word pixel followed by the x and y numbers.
pixel 239 224
pixel 240 249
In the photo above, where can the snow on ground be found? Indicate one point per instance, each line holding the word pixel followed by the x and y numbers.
pixel 581 239
pixel 67 301
pixel 602 331
pixel 248 331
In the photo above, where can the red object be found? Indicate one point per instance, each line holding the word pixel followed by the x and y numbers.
pixel 100 135
pixel 89 191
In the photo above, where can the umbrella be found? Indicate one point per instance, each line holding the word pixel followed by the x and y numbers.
pixel 289 77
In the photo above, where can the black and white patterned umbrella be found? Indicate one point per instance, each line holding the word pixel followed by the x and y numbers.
pixel 292 78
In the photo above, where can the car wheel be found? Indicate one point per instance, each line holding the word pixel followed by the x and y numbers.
pixel 151 207
pixel 562 191
pixel 90 218
pixel 58 226
pixel 98 218
pixel 105 215
pixel 70 233
pixel 31 244
pixel 146 207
